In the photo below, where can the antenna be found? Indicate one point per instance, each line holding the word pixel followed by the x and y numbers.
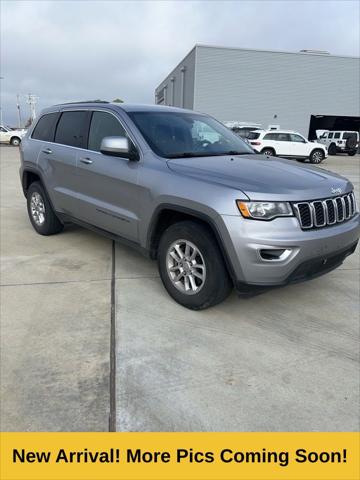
pixel 32 100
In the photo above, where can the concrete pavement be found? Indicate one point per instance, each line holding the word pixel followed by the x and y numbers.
pixel 284 360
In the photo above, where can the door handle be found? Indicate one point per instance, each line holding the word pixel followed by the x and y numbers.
pixel 86 160
pixel 47 151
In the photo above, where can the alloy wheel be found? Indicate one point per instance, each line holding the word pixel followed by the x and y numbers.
pixel 37 208
pixel 186 267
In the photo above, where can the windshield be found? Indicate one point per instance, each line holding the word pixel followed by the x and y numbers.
pixel 175 135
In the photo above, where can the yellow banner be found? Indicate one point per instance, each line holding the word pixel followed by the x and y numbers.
pixel 168 456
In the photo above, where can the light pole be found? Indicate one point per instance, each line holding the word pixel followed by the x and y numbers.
pixel 1 119
pixel 18 109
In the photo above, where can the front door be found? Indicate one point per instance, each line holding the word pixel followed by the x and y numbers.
pixel 107 185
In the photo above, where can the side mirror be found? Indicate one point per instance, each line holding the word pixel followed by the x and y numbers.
pixel 119 147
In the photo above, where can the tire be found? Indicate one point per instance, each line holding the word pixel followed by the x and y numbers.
pixel 332 149
pixel 351 142
pixel 352 153
pixel 215 284
pixel 316 156
pixel 270 152
pixel 40 211
pixel 15 141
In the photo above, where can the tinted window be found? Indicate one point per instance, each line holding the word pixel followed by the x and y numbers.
pixel 70 129
pixel 331 135
pixel 337 135
pixel 347 135
pixel 283 137
pixel 175 134
pixel 296 138
pixel 270 136
pixel 103 125
pixel 45 128
pixel 253 135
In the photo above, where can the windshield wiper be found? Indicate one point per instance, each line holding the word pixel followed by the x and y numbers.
pixel 234 152
pixel 188 155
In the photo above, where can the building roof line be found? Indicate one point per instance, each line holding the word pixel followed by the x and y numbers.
pixel 310 53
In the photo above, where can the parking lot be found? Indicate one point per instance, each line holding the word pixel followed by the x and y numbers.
pixel 286 360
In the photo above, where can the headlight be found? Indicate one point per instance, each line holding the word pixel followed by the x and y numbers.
pixel 264 210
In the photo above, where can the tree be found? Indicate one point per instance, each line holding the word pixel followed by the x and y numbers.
pixel 118 100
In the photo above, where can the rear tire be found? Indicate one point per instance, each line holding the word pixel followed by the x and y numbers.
pixel 15 141
pixel 352 153
pixel 269 152
pixel 188 249
pixel 40 211
pixel 317 156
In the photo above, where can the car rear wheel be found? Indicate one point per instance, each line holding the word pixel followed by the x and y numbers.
pixel 41 214
pixel 15 141
pixel 352 153
pixel 268 152
pixel 191 266
pixel 317 156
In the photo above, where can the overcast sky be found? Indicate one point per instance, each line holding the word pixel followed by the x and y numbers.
pixel 72 50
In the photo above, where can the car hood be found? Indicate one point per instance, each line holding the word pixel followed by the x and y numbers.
pixel 264 178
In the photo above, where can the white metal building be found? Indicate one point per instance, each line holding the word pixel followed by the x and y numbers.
pixel 302 91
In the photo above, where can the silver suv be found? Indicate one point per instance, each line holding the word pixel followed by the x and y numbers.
pixel 186 191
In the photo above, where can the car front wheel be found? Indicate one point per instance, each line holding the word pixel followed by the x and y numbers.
pixel 317 156
pixel 191 266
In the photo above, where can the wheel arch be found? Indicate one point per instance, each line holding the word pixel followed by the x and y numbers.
pixel 268 148
pixel 168 214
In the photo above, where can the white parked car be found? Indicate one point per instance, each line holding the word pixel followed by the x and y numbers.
pixel 340 142
pixel 242 129
pixel 288 144
pixel 11 136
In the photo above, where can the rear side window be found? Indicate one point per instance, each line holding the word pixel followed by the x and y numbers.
pixel 103 125
pixel 253 135
pixel 45 127
pixel 337 135
pixel 71 128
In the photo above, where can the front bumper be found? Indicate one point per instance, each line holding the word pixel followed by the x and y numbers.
pixel 324 247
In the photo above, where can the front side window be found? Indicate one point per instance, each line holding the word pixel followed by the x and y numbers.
pixel 71 128
pixel 45 127
pixel 103 125
pixel 330 135
pixel 296 138
pixel 175 135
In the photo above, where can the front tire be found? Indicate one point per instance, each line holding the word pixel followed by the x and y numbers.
pixel 332 149
pixel 15 141
pixel 40 211
pixel 191 266
pixel 317 156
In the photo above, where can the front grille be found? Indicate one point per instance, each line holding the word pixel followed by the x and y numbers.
pixel 321 213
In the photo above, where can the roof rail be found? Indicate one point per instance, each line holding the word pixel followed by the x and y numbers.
pixel 84 101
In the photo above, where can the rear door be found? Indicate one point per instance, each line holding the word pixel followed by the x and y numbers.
pixel 57 159
pixel 299 146
pixel 283 144
pixel 107 185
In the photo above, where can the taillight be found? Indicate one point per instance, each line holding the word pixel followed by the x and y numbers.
pixel 255 143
